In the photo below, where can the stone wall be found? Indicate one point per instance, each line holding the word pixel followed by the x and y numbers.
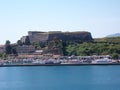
pixel 35 36
pixel 71 36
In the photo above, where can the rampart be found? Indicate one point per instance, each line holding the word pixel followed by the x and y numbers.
pixel 35 36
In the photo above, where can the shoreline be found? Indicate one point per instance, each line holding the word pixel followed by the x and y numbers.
pixel 100 64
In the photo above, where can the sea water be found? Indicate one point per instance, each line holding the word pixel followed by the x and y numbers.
pixel 60 78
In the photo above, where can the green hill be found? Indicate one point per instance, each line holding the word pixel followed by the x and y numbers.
pixel 100 46
pixel 108 40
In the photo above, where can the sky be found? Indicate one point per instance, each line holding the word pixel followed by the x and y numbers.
pixel 17 17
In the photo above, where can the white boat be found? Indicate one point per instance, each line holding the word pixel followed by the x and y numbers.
pixel 103 61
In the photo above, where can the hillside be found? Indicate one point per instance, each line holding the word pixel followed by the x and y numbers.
pixel 108 40
pixel 114 35
pixel 100 46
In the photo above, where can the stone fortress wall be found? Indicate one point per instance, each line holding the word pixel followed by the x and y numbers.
pixel 35 36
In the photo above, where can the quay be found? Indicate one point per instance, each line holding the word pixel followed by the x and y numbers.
pixel 19 65
pixel 61 61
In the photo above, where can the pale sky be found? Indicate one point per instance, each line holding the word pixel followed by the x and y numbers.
pixel 17 17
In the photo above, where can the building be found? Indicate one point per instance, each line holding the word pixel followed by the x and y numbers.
pixel 25 49
pixel 2 48
pixel 36 37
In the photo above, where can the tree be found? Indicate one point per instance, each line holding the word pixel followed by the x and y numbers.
pixel 115 56
pixel 7 42
pixel 36 45
pixel 14 51
pixel 55 46
pixel 55 43
pixel 3 55
pixel 8 48
pixel 19 43
pixel 72 49
pixel 27 41
pixel 42 44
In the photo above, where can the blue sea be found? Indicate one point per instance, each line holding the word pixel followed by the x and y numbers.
pixel 60 78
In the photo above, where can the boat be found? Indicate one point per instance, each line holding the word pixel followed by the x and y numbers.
pixel 103 61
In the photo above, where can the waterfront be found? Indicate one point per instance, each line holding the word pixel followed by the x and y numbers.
pixel 60 78
pixel 61 61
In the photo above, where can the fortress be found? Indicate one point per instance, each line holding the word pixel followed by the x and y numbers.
pixel 35 36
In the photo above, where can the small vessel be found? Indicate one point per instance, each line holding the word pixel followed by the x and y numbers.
pixel 103 61
pixel 53 62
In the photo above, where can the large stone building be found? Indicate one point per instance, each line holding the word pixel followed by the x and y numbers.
pixel 35 36
pixel 25 49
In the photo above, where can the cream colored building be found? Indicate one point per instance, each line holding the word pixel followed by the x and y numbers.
pixel 25 49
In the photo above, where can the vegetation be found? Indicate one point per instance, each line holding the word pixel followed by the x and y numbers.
pixel 91 48
pixel 115 56
pixel 8 48
pixel 27 41
pixel 55 46
pixel 102 46
pixel 114 40
pixel 19 43
pixel 3 55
